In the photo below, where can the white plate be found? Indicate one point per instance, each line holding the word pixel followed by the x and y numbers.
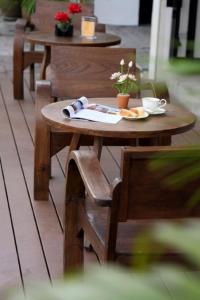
pixel 159 111
pixel 145 115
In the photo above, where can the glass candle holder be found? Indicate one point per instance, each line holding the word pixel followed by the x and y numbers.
pixel 88 27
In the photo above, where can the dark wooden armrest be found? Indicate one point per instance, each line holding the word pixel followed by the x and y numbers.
pixel 159 89
pixel 43 97
pixel 19 39
pixel 21 25
pixel 91 173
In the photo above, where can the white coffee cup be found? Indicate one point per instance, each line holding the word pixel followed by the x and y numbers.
pixel 153 104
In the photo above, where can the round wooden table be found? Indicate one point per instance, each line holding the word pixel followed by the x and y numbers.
pixel 176 120
pixel 48 40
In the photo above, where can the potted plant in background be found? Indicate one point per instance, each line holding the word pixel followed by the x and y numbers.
pixel 11 9
pixel 64 26
pixel 125 83
pixel 29 5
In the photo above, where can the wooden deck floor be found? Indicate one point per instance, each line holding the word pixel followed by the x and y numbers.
pixel 31 233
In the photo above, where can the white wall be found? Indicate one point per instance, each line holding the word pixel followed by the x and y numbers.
pixel 197 34
pixel 184 30
pixel 155 24
pixel 117 12
pixel 160 38
pixel 184 19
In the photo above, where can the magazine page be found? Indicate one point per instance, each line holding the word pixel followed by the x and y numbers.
pixel 81 109
pixel 70 110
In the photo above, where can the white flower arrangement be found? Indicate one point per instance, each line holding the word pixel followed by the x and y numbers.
pixel 125 82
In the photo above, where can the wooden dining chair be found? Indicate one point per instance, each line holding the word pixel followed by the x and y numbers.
pixel 72 74
pixel 113 214
pixel 43 21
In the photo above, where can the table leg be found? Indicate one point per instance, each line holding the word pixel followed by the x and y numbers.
pixel 45 61
pixel 97 147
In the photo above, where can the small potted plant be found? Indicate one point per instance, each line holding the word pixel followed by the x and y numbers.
pixel 11 9
pixel 125 83
pixel 64 26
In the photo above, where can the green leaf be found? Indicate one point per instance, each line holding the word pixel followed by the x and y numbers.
pixel 185 239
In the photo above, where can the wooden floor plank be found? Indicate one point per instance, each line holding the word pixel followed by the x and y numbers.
pixel 9 265
pixel 57 186
pixel 38 225
pixel 45 215
pixel 109 166
pixel 57 182
pixel 28 243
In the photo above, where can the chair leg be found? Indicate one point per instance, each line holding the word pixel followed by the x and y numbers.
pixel 32 77
pixel 18 64
pixel 42 143
pixel 32 71
pixel 42 161
pixel 73 240
pixel 18 79
pixel 73 236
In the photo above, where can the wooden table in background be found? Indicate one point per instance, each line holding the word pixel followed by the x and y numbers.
pixel 48 40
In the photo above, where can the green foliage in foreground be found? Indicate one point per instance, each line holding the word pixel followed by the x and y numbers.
pixel 112 283
pixel 184 168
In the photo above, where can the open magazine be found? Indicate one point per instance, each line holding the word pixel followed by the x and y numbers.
pixel 81 109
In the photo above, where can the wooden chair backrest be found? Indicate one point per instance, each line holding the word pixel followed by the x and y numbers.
pixel 144 192
pixel 43 18
pixel 78 71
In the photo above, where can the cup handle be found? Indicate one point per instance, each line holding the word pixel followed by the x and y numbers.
pixel 163 102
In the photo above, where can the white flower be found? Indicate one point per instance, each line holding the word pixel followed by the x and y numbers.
pixel 130 64
pixel 122 63
pixel 132 77
pixel 115 75
pixel 122 78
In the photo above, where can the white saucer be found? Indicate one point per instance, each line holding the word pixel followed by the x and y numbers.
pixel 145 115
pixel 158 111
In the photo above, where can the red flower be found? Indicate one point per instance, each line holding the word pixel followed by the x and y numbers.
pixel 74 8
pixel 61 16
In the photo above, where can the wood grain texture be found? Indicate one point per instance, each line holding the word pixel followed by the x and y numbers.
pixel 17 157
pixel 42 20
pixel 84 74
pixel 35 227
pixel 176 120
pixel 139 198
pixel 49 39
pixel 28 243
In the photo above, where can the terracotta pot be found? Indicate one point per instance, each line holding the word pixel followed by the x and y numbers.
pixel 123 100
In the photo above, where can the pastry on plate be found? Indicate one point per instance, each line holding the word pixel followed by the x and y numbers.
pixel 139 111
pixel 127 113
pixel 134 112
